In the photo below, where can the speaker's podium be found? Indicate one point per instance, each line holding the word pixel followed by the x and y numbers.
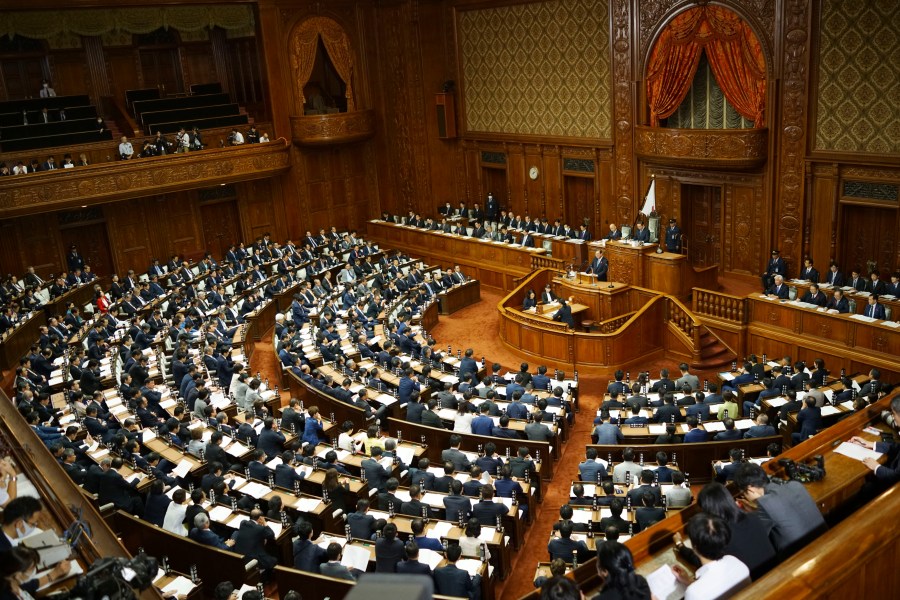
pixel 667 272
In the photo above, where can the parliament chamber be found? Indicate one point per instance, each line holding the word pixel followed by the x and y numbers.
pixel 300 298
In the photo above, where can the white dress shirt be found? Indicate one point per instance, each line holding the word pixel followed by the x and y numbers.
pixel 719 579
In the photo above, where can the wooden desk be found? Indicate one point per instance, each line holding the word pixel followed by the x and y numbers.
pixel 665 272
pixel 459 297
pixel 80 295
pixel 496 265
pixel 16 342
pixel 862 301
pixel 571 250
pixel 838 339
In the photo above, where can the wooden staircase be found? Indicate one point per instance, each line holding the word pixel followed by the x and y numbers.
pixel 713 353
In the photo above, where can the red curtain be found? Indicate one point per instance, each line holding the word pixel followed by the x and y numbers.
pixel 734 54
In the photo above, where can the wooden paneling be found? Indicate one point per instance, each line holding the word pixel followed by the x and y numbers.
pixel 70 74
pixel 221 226
pixel 130 236
pixel 124 70
pixel 199 66
pixel 182 233
pixel 93 245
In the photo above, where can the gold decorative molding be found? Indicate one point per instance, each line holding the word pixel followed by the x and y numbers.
pixel 710 148
pixel 96 184
pixel 337 128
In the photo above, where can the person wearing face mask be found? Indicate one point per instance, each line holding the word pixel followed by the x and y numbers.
pixel 19 566
pixel 19 521
pixel 46 90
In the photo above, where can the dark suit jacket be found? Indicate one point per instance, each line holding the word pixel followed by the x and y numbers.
pixel 450 580
pixel 361 526
pixel 308 556
pixel 413 567
pixel 487 512
pixel 113 488
pixel 387 554
pixel 376 475
pixel 250 541
pixel 207 538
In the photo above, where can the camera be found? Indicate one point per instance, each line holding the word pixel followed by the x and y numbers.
pixel 804 473
pixel 115 579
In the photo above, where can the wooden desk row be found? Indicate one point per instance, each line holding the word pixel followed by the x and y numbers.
pixel 495 265
pixel 653 548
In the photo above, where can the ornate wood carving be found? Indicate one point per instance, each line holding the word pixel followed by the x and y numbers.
pixel 137 178
pixel 338 128
pixel 716 148
pixel 623 111
pixel 790 170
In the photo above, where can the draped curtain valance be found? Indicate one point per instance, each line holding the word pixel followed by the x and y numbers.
pixel 96 22
pixel 304 43
pixel 734 54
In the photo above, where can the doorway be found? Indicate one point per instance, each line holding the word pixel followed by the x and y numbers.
pixel 93 245
pixel 494 181
pixel 579 202
pixel 702 223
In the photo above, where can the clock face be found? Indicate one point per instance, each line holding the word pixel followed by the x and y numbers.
pixel 533 172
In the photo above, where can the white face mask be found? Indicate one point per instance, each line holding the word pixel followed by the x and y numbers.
pixel 25 529
pixel 29 575
pixel 46 85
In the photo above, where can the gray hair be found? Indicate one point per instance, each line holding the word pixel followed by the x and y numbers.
pixel 201 520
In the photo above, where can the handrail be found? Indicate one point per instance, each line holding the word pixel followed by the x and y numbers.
pixel 685 322
pixel 610 325
pixel 718 305
pixel 543 262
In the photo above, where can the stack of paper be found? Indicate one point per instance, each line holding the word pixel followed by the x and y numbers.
pixel 440 529
pixel 179 586
pixel 356 557
pixel 857 452
pixel 664 585
pixel 256 490
pixel 430 558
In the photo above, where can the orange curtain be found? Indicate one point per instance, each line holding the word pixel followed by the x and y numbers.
pixel 734 53
pixel 337 44
pixel 304 43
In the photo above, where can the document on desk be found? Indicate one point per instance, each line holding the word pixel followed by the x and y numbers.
pixel 857 452
pixel 74 569
pixel 356 557
pixel 430 558
pixel 220 513
pixel 440 529
pixel 183 468
pixel 664 585
pixel 307 505
pixel 179 586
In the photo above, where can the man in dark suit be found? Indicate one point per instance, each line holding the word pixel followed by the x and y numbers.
pixel 450 580
pixel 201 534
pixel 809 273
pixel 250 540
pixel 893 288
pixel 256 467
pixel 527 240
pixel 793 515
pixel 292 415
pixel 834 277
pixel 600 266
pixel 778 289
pixel 641 233
pixel 285 473
pixel 673 237
pixel 730 432
pixel 761 428
pixel 387 500
pixel 614 233
pixel 888 473
pixel 637 493
pixel 456 505
pixel 874 309
pixel 776 266
pixel 564 314
pixel 857 281
pixel 412 566
pixel 307 555
pixel 362 524
pixel 486 510
pixel 113 488
pixel 376 474
pixel 455 456
pixel 565 547
pixel 875 285
pixel 814 296
pixel 415 507
pixel 838 302
pixel 809 419
pixel 271 441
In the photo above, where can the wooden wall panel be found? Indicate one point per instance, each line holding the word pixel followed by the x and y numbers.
pixel 180 231
pixel 124 71
pixel 37 245
pixel 129 236
pixel 198 64
pixel 257 209
pixel 70 74
pixel 821 235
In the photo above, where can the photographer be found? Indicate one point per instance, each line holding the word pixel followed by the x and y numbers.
pixel 18 569
pixel 787 508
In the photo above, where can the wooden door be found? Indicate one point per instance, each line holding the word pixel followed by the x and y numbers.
pixel 161 68
pixel 93 245
pixel 702 225
pixel 22 76
pixel 579 202
pixel 221 226
pixel 869 235
pixel 493 181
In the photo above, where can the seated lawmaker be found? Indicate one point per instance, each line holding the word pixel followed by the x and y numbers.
pixel 778 289
pixel 838 302
pixel 814 296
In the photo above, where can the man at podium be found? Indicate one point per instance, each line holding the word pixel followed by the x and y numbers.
pixel 599 266
pixel 641 234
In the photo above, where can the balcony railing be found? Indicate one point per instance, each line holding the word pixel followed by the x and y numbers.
pixel 709 148
pixel 48 191
pixel 333 129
